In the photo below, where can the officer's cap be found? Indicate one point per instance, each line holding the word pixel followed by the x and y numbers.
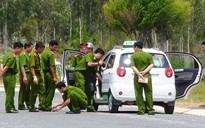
pixel 83 45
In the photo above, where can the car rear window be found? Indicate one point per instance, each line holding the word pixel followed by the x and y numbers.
pixel 160 60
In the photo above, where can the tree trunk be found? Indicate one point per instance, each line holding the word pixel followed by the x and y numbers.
pixel 80 26
pixel 188 48
pixel 5 32
pixel 71 19
pixel 54 33
pixel 5 38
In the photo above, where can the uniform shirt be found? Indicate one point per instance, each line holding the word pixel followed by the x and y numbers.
pixel 48 59
pixel 35 61
pixel 10 61
pixel 77 59
pixel 73 91
pixel 24 61
pixel 141 60
pixel 89 57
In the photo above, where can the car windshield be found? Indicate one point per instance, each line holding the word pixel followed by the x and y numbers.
pixel 160 60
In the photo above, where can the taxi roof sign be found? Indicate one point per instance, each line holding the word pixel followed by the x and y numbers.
pixel 129 43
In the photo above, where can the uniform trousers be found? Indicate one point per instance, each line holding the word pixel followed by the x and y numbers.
pixel 37 90
pixel 9 81
pixel 49 89
pixel 24 90
pixel 139 87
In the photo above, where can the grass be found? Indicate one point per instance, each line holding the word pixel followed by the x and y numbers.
pixel 198 93
pixel 195 98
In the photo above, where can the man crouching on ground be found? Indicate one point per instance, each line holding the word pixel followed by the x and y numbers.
pixel 74 98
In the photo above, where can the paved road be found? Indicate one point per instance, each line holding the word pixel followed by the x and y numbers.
pixel 199 112
pixel 126 118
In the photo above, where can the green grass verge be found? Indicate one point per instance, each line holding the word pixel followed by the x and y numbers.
pixel 197 94
pixel 195 99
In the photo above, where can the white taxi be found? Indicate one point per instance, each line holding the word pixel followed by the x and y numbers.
pixel 173 76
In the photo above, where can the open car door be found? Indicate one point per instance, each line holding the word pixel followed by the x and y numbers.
pixel 188 72
pixel 68 64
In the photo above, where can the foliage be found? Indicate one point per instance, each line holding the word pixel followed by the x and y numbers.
pixel 120 16
pixel 198 19
pixel 197 95
pixel 103 22
pixel 142 17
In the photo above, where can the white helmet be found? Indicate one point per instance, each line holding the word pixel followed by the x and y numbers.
pixel 90 45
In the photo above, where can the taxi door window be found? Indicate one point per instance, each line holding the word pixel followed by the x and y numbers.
pixel 160 60
pixel 111 61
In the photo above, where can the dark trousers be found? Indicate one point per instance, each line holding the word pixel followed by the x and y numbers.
pixel 90 81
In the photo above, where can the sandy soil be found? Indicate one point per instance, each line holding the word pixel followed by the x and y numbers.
pixel 190 105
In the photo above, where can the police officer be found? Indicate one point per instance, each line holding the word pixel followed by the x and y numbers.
pixel 9 76
pixel 88 68
pixel 78 57
pixel 37 87
pixel 78 76
pixel 48 66
pixel 141 63
pixel 73 97
pixel 24 76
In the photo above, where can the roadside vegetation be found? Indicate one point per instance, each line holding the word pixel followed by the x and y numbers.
pixel 195 98
pixel 170 25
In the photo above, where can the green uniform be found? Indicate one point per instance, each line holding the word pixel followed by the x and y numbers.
pixel 48 60
pixel 141 60
pixel 78 98
pixel 89 77
pixel 78 73
pixel 36 89
pixel 9 79
pixel 24 88
pixel 77 60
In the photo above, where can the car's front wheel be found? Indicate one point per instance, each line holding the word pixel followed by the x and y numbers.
pixel 111 106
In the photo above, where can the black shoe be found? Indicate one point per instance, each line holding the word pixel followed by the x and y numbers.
pixel 140 113
pixel 73 112
pixel 91 110
pixel 40 108
pixel 12 111
pixel 22 108
pixel 150 113
pixel 33 110
pixel 46 109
